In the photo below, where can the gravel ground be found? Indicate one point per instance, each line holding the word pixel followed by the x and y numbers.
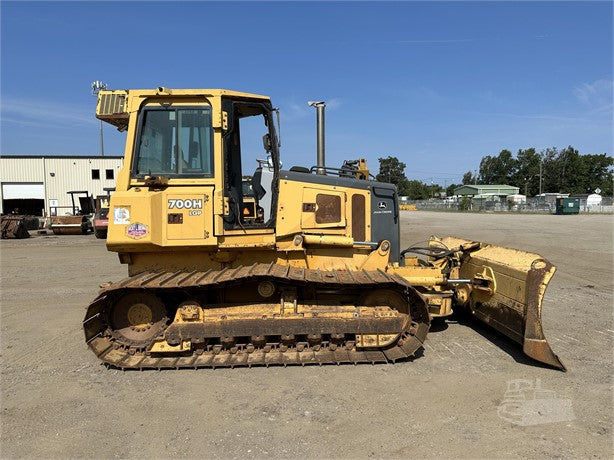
pixel 58 401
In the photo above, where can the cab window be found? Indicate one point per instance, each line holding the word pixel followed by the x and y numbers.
pixel 174 142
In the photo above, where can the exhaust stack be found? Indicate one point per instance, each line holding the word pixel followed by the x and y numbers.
pixel 320 127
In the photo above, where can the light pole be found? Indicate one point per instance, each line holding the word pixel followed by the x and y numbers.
pixel 97 86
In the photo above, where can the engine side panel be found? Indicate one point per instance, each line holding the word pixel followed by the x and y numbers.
pixel 369 210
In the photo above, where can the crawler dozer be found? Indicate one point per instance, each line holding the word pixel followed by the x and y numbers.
pixel 315 275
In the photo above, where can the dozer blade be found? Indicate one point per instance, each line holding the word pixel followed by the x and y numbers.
pixel 506 292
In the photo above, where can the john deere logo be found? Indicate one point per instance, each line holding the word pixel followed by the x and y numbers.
pixel 382 205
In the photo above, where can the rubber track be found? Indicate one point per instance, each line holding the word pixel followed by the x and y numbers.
pixel 102 345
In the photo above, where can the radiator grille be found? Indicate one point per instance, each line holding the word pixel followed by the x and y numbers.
pixel 112 108
pixel 111 104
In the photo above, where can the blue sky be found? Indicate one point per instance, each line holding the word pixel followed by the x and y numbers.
pixel 438 85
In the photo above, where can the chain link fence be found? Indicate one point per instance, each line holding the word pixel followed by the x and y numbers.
pixel 532 205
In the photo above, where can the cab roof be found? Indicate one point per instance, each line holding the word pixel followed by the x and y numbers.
pixel 162 91
pixel 114 105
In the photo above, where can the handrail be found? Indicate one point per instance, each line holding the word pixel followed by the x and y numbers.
pixel 338 171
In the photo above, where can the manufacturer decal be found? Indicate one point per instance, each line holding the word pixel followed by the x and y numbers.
pixel 382 208
pixel 185 204
pixel 121 216
pixel 136 230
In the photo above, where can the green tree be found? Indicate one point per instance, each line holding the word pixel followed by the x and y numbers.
pixel 417 190
pixel 392 170
pixel 599 173
pixel 450 189
pixel 469 178
pixel 434 190
pixel 526 174
pixel 498 169
pixel 583 173
pixel 564 171
pixel 550 170
pixel 573 171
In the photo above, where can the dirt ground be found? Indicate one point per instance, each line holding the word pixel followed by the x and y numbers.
pixel 58 401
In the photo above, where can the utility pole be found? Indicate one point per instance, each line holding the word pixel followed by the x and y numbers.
pixel 97 86
pixel 541 162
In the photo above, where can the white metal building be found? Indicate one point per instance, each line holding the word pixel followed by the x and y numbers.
pixel 34 184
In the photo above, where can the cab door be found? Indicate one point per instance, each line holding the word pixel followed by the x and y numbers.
pixel 250 167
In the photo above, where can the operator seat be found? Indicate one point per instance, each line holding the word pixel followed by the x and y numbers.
pixel 257 187
pixel 193 154
pixel 262 185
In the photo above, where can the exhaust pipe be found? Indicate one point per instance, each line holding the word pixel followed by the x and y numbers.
pixel 320 126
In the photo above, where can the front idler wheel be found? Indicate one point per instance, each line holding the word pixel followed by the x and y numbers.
pixel 137 318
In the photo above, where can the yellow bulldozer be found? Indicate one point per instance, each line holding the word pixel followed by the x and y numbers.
pixel 315 275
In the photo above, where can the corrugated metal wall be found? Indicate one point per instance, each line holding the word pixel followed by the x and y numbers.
pixel 60 175
pixel 21 169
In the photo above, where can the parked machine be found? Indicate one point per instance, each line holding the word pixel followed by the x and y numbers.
pixel 79 220
pixel 319 278
pixel 101 215
pixel 13 227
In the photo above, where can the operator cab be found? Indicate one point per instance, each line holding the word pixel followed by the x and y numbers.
pixel 175 141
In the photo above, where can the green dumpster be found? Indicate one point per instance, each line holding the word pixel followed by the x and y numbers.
pixel 567 205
